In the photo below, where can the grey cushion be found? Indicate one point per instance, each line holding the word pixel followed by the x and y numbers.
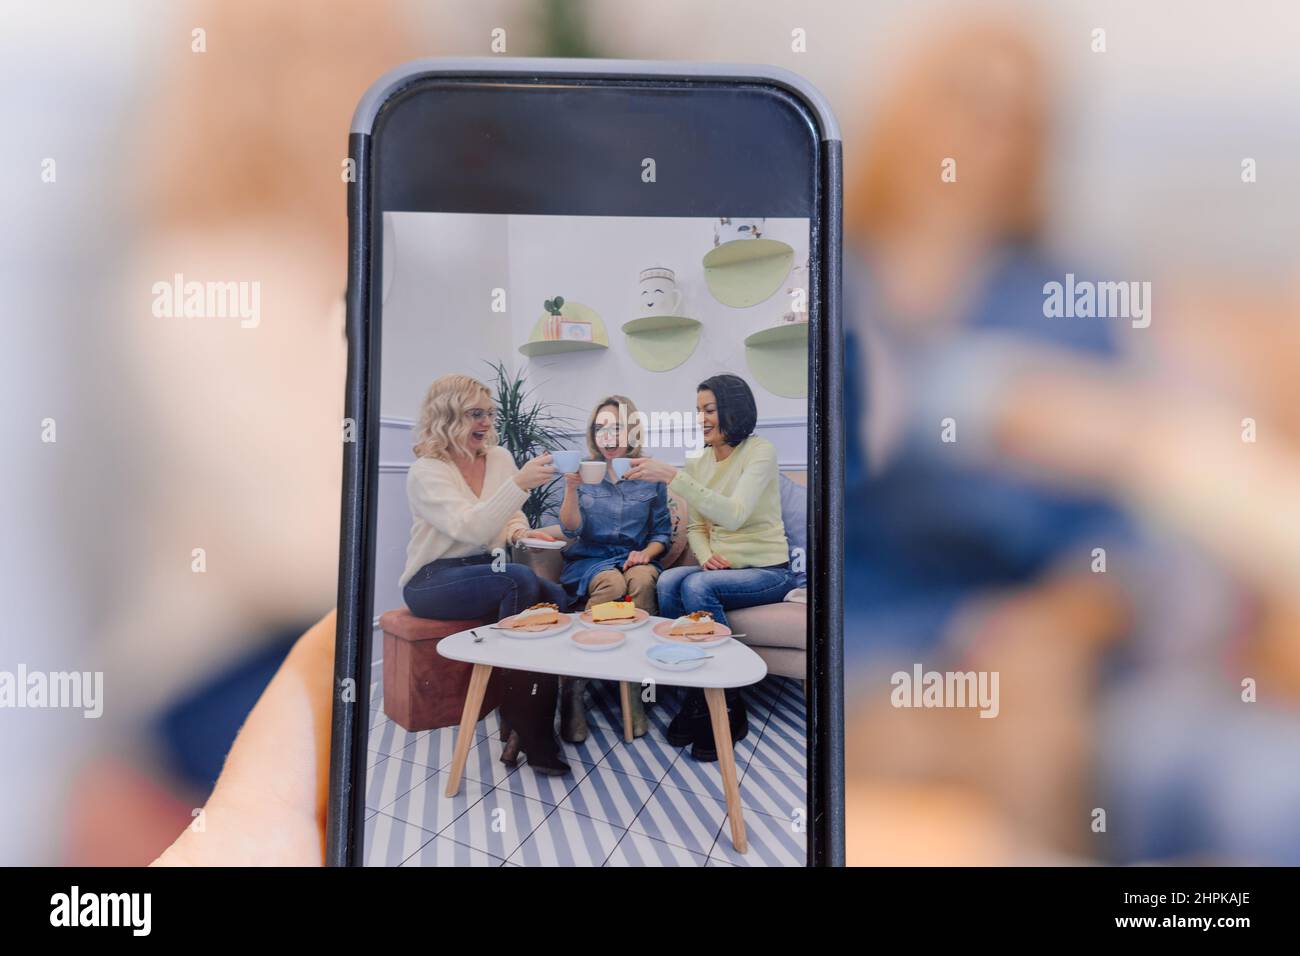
pixel 794 513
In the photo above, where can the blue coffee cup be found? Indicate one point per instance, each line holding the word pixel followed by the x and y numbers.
pixel 566 462
pixel 622 466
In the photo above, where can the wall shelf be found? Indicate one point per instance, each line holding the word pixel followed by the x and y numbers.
pixel 778 358
pixel 538 345
pixel 661 342
pixel 745 272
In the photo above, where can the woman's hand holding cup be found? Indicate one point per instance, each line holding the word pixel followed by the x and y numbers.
pixel 650 469
pixel 535 472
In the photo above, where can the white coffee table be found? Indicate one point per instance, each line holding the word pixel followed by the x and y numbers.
pixel 733 665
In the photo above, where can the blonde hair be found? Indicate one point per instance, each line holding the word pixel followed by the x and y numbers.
pixel 629 418
pixel 443 425
pixel 873 205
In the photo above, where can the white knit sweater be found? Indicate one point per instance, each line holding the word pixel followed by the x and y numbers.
pixel 451 521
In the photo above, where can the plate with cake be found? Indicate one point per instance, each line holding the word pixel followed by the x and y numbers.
pixel 540 620
pixel 614 615
pixel 697 628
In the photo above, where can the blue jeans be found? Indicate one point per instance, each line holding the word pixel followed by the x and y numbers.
pixel 682 590
pixel 452 592
pixel 474 591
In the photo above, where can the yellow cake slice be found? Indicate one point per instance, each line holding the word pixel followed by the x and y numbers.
pixel 613 611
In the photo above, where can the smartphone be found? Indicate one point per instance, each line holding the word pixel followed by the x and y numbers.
pixel 589 588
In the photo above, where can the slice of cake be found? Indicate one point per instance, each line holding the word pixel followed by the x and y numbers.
pixel 613 611
pixel 538 614
pixel 695 624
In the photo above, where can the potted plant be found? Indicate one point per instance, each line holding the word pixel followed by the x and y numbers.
pixel 526 428
pixel 554 307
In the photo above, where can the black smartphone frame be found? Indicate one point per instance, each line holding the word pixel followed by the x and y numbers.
pixel 347 775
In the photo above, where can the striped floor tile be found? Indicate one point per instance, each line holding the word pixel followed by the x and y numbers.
pixel 760 698
pixel 484 763
pixel 611 796
pixel 649 756
pixel 681 818
pixel 772 842
pixel 550 790
pixel 774 792
pixel 441 851
pixel 566 838
pixel 428 807
pixel 780 752
pixel 600 740
pixel 389 841
pixel 788 718
pixel 389 779
pixel 499 822
pixel 687 773
pixel 388 738
pixel 636 849
pixel 433 749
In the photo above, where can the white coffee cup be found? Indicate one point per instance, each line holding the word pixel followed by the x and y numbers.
pixel 592 472
pixel 658 293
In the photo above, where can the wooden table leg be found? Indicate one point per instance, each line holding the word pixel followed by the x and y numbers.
pixel 727 764
pixel 625 699
pixel 478 682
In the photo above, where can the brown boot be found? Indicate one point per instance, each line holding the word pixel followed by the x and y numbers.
pixel 639 722
pixel 573 709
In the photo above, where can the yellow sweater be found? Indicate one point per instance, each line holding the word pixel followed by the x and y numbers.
pixel 735 505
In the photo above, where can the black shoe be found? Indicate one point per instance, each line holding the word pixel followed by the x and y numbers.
pixel 684 728
pixel 549 765
pixel 510 752
pixel 705 749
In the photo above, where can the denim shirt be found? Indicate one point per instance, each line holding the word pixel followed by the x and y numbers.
pixel 617 519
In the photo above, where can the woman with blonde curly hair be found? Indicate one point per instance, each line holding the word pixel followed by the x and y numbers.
pixel 465 495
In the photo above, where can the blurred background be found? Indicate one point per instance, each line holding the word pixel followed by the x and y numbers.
pixel 1115 529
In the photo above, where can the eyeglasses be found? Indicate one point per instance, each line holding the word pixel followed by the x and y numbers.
pixel 608 431
pixel 478 414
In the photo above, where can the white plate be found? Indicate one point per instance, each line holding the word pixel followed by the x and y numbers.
pixel 540 545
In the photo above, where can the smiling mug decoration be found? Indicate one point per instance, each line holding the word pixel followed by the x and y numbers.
pixel 658 293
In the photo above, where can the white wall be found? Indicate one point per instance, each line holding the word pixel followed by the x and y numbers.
pixel 597 261
pixel 438 318
pixel 437 314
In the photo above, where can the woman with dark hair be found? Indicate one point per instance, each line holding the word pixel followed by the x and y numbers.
pixel 735 532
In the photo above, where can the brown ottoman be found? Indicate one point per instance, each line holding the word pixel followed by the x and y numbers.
pixel 422 689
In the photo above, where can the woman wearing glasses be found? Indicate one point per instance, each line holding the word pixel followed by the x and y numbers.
pixel 618 530
pixel 465 495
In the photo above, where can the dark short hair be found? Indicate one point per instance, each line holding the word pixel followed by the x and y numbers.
pixel 737 411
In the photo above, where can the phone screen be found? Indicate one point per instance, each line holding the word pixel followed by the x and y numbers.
pixel 589 511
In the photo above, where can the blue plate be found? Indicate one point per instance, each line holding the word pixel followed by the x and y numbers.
pixel 675 657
